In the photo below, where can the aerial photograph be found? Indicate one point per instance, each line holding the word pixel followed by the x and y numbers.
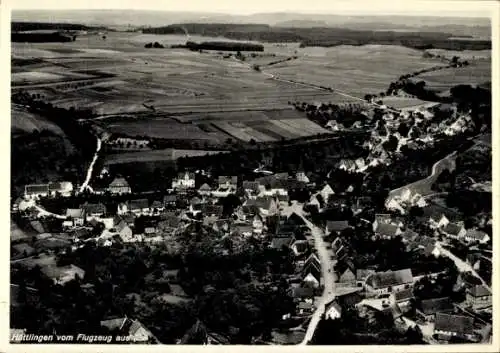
pixel 273 177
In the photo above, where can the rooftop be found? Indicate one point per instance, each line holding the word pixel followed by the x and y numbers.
pixel 454 323
pixel 390 278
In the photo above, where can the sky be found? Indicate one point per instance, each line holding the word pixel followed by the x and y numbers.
pixel 476 8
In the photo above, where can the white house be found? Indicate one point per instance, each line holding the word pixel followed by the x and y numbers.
pixel 388 282
pixel 326 192
pixel 473 235
pixel 333 310
pixel 122 209
pixel 184 181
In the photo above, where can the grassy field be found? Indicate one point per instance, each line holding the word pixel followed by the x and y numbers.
pixel 355 70
pixel 404 103
pixel 469 55
pixel 153 156
pixel 442 80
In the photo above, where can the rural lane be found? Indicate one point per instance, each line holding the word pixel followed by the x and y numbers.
pixel 85 184
pixel 326 269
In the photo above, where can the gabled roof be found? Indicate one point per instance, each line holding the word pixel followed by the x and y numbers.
pixel 388 230
pixel 302 292
pixel 228 179
pixel 170 198
pixel 260 202
pixel 36 189
pixel 405 294
pixel 205 187
pixel 476 234
pixel 119 182
pixel 209 209
pixel 337 226
pixel 452 228
pixel 75 213
pixel 390 278
pixel 93 208
pixel 278 243
pixel 436 305
pixel 479 291
pixel 183 175
pixel 138 204
pixel 454 323
pixel 363 274
pixel 251 185
pixel 114 324
pixel 157 204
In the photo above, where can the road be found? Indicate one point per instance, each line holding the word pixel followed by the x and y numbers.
pixel 461 265
pixel 326 269
pixel 85 184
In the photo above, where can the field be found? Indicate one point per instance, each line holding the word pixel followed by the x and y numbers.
pixel 476 73
pixel 405 103
pixel 153 156
pixel 469 55
pixel 354 70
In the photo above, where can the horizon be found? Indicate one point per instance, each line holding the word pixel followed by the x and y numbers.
pixel 422 8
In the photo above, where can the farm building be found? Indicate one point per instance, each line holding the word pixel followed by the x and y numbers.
pixel 390 281
pixel 119 186
pixel 184 181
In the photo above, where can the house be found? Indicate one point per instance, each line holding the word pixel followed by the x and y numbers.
pixel 447 326
pixel 93 210
pixel 212 210
pixel 133 330
pixel 347 277
pixel 170 200
pixel 280 242
pixel 305 309
pixel 157 207
pixel 402 298
pixel 122 208
pixel 252 188
pixel 62 275
pixel 348 297
pixel 184 181
pixel 312 279
pixel 205 190
pixel 478 297
pixel 64 188
pixel 35 191
pixel 301 294
pixel 139 207
pixel 227 182
pixel 336 226
pixel 326 192
pixel 77 215
pixel 427 309
pixel 454 231
pixel 299 247
pixel 302 177
pixel 333 310
pixel 384 218
pixel 362 275
pixel 119 186
pixel 474 235
pixel 257 224
pixel 388 231
pixel 388 282
pixel 266 206
pixel 124 231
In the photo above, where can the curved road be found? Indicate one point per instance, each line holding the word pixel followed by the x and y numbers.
pixel 85 184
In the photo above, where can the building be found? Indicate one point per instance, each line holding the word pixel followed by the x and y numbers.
pixel 124 231
pixel 326 192
pixel 478 297
pixel 402 298
pixel 139 207
pixel 302 177
pixel 336 226
pixel 454 231
pixel 252 188
pixel 205 190
pixel 119 186
pixel 347 277
pixel 427 309
pixel 474 235
pixel 93 210
pixel 227 182
pixel 333 310
pixel 388 231
pixel 76 215
pixel 447 326
pixel 170 200
pixel 62 275
pixel 64 188
pixel 184 181
pixel 362 275
pixel 388 282
pixel 34 192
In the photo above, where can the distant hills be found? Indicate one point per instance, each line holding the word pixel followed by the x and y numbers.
pixel 459 26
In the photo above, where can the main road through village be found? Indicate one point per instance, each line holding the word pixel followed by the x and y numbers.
pixel 326 268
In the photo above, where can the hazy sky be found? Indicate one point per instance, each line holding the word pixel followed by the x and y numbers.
pixel 476 8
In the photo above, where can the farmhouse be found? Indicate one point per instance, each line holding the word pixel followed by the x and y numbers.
pixel 427 309
pixel 390 281
pixel 205 190
pixel 447 326
pixel 252 188
pixel 139 207
pixel 64 188
pixel 333 310
pixel 388 231
pixel 33 192
pixel 326 192
pixel 336 226
pixel 76 215
pixel 93 210
pixel 473 235
pixel 119 186
pixel 478 297
pixel 62 275
pixel 454 231
pixel 184 181
pixel 228 182
pixel 170 200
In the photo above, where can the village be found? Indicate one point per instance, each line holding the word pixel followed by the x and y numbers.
pixel 348 255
